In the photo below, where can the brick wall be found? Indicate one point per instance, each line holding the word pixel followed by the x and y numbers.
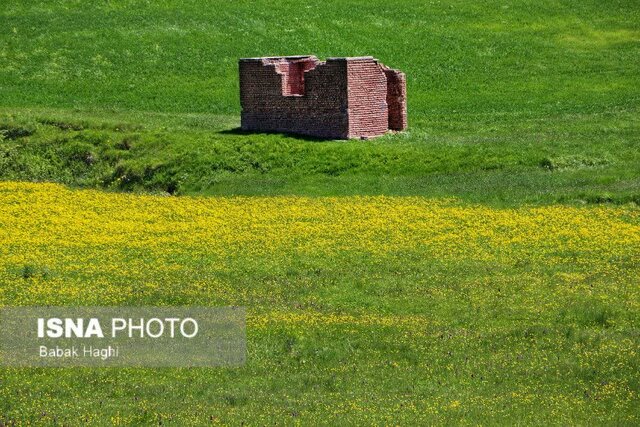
pixel 340 98
pixel 367 90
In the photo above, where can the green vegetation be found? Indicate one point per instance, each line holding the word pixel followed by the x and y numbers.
pixel 361 310
pixel 593 162
pixel 511 103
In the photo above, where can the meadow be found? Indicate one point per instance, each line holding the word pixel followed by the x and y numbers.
pixel 371 309
pixel 480 268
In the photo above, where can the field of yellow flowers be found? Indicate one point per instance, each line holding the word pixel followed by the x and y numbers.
pixel 377 309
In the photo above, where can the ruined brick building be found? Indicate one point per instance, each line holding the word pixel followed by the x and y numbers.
pixel 338 98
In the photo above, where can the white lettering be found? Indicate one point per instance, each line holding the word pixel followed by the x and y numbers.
pixel 195 328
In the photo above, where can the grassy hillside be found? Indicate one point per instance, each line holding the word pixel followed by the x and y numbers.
pixel 527 57
pixel 596 162
pixel 509 102
pixel 490 296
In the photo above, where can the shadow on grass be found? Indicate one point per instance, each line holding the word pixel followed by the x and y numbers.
pixel 240 131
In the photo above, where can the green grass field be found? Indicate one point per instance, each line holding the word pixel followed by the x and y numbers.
pixel 525 116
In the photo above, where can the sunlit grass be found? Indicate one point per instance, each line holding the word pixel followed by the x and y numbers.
pixel 416 309
pixel 480 268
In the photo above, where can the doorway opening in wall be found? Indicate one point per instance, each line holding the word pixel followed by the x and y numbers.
pixel 293 71
pixel 395 100
pixel 294 79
